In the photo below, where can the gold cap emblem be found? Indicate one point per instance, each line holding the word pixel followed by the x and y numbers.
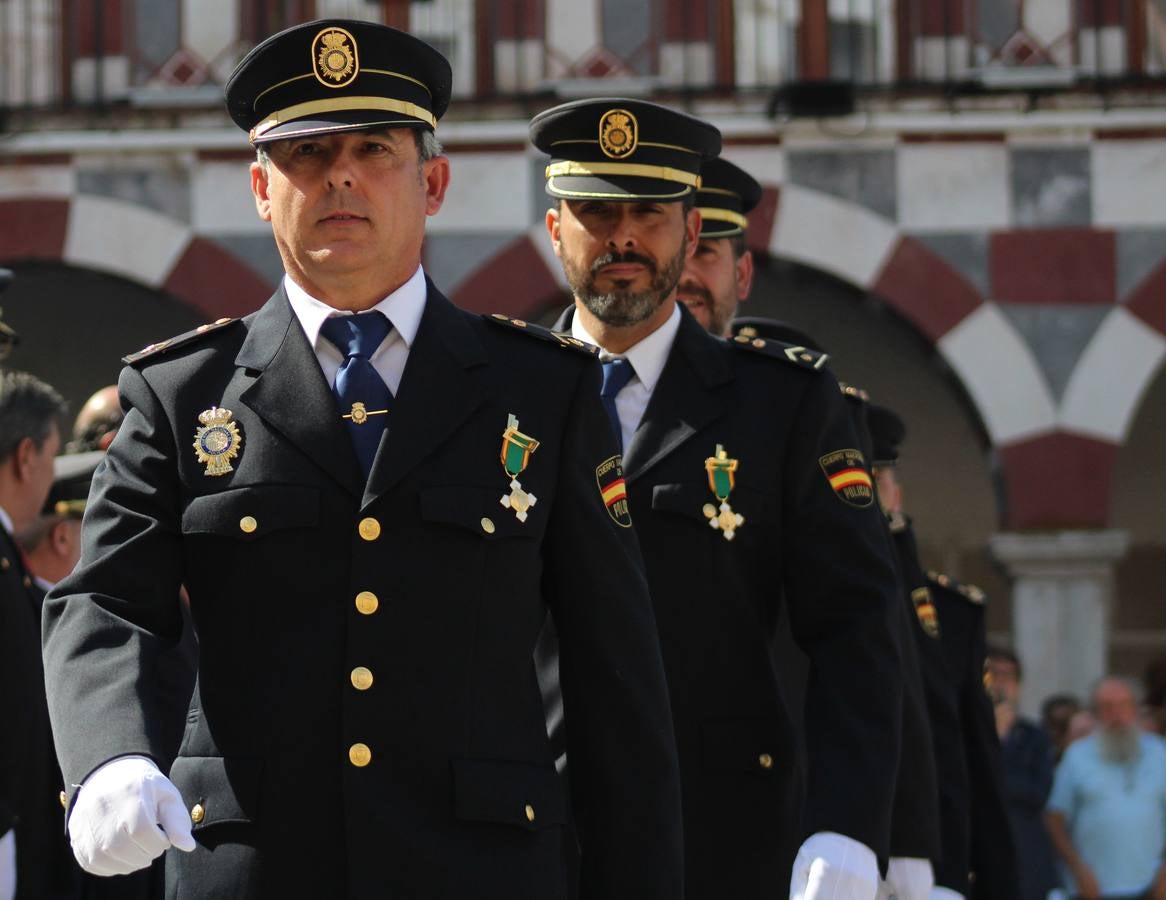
pixel 618 133
pixel 334 59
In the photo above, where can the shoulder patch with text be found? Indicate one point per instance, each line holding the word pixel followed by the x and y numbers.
pixel 846 472
pixel 613 490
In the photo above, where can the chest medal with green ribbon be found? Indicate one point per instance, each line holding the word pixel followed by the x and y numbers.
pixel 516 450
pixel 722 473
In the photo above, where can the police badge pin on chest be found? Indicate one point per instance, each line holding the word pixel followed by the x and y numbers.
pixel 516 450
pixel 218 441
pixel 722 472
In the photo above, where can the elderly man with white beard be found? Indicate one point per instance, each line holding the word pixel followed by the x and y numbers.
pixel 1107 812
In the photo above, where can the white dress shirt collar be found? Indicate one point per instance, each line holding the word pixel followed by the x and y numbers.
pixel 649 356
pixel 6 520
pixel 403 308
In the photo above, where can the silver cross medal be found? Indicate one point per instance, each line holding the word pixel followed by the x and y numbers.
pixel 726 521
pixel 516 450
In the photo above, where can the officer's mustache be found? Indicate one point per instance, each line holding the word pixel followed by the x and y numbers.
pixel 689 289
pixel 611 259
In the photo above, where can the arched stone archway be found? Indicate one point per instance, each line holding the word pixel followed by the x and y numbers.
pixel 132 242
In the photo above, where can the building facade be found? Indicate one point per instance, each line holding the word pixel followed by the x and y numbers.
pixel 965 200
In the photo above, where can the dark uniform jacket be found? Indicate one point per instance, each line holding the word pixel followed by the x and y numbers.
pixel 993 870
pixel 30 782
pixel 949 632
pixel 915 814
pixel 300 574
pixel 717 604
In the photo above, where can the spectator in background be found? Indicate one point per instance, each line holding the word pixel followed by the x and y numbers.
pixel 1107 813
pixel 1028 776
pixel 1056 713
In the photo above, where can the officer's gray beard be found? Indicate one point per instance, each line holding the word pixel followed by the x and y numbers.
pixel 621 307
pixel 1119 745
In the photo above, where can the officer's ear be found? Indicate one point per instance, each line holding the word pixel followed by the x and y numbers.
pixel 553 228
pixel 259 189
pixel 743 269
pixel 436 175
pixel 691 232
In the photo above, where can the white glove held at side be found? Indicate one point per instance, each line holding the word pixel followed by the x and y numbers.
pixel 126 814
pixel 942 893
pixel 8 865
pixel 908 878
pixel 831 866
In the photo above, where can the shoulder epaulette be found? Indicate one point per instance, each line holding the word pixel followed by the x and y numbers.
pixel 792 353
pixel 969 591
pixel 555 337
pixel 177 341
pixel 853 393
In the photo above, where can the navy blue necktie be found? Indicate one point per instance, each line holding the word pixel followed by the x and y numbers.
pixel 616 374
pixel 363 396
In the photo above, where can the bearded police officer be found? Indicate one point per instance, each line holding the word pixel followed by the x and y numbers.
pixel 372 514
pixel 747 491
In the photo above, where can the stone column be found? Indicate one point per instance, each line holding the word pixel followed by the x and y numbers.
pixel 1061 599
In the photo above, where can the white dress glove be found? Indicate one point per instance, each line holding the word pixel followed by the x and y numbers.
pixel 942 893
pixel 831 866
pixel 8 865
pixel 908 878
pixel 126 814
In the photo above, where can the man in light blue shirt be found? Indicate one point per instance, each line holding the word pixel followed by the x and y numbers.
pixel 1107 811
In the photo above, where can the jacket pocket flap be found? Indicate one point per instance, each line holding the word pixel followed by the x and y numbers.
pixel 251 512
pixel 742 745
pixel 217 789
pixel 478 510
pixel 511 793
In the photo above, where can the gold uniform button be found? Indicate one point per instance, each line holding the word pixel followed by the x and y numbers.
pixel 247 524
pixel 361 678
pixel 4 563
pixel 367 603
pixel 27 581
pixel 197 813
pixel 370 529
pixel 487 525
pixel 63 797
pixel 529 813
pixel 765 761
pixel 359 755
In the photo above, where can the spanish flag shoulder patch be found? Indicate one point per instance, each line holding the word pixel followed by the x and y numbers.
pixel 848 476
pixel 613 491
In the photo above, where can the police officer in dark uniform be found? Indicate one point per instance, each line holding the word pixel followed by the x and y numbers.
pixel 372 514
pixel 915 834
pixel 977 858
pixel 34 860
pixel 747 491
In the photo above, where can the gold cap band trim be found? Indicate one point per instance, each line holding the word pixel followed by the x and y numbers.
pixel 69 507
pixel 715 214
pixel 705 189
pixel 340 104
pixel 633 170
